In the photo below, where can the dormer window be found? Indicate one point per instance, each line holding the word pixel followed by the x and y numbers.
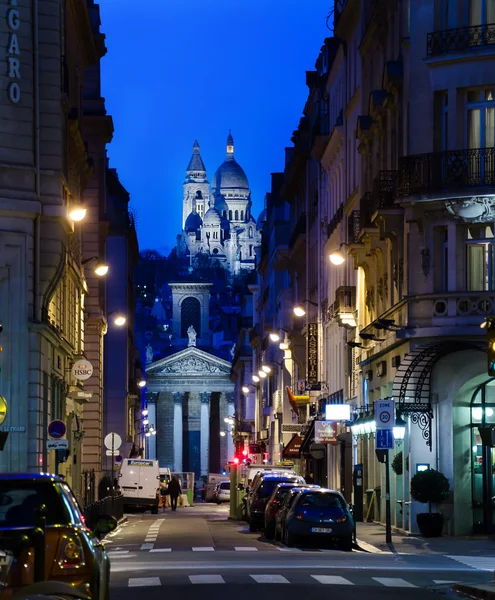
pixel 230 149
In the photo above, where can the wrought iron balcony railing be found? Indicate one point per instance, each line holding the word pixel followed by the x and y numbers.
pixel 353 227
pixel 386 189
pixel 448 41
pixel 449 171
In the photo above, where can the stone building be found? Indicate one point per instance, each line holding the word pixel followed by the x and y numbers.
pixel 217 219
pixel 391 178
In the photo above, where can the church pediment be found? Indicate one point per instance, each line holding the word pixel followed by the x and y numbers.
pixel 190 362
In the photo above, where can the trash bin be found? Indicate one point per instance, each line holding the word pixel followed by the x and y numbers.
pixel 190 497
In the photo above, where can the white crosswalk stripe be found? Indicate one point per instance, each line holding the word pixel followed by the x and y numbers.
pixel 206 579
pixel 146 546
pixel 144 581
pixel 161 550
pixel 482 563
pixel 393 582
pixel 245 549
pixel 269 579
pixel 332 580
pixel 203 549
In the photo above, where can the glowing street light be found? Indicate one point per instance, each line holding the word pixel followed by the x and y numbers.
pixel 142 383
pixel 274 336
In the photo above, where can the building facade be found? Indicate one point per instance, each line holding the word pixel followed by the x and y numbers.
pixel 391 178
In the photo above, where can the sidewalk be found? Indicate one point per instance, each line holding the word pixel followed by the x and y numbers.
pixel 372 536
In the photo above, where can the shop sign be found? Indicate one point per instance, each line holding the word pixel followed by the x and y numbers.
pixel 325 432
pixel 82 369
pixel 293 447
pixel 338 412
pixel 13 429
pixel 13 18
pixel 312 376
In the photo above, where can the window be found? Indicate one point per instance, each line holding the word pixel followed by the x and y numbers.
pixel 236 215
pixel 481 12
pixel 445 262
pixel 480 108
pixel 479 257
pixel 250 250
pixel 242 215
pixel 230 215
pixel 199 195
pixel 250 232
pixel 190 314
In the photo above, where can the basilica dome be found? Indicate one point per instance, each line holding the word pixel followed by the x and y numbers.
pixel 212 217
pixel 193 222
pixel 230 175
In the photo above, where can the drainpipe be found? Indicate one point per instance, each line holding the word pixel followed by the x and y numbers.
pixel 37 219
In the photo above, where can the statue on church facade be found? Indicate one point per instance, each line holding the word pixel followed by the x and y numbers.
pixel 149 354
pixel 191 333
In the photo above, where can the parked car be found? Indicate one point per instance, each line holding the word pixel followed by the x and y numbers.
pixel 274 503
pixel 222 492
pixel 318 514
pixel 69 551
pixel 261 492
pixel 284 507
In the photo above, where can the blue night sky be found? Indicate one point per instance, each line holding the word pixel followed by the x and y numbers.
pixel 177 70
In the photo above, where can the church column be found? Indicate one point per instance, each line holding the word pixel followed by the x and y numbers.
pixel 229 396
pixel 204 398
pixel 178 431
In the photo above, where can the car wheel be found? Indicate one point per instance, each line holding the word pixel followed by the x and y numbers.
pixel 269 531
pixel 154 509
pixel 252 526
pixel 345 544
pixel 276 534
pixel 288 538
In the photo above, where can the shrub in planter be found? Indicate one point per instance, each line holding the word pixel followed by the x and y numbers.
pixel 430 487
pixel 397 464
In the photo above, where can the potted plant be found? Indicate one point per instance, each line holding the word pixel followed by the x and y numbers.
pixel 430 487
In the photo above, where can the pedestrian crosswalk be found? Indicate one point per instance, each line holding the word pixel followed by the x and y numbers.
pixel 481 563
pixel 277 578
pixel 267 548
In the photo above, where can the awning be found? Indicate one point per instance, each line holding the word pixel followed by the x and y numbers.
pixel 296 401
pixel 293 447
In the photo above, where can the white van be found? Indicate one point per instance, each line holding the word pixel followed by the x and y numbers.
pixel 139 481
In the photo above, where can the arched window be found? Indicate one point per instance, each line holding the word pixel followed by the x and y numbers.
pixel 250 250
pixel 236 215
pixel 190 314
pixel 250 232
pixel 242 215
pixel 199 195
pixel 240 254
pixel 230 215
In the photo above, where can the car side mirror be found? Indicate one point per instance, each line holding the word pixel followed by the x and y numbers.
pixel 105 524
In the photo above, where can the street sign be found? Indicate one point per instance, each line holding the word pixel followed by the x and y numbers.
pixel 384 439
pixel 384 414
pixel 57 444
pixel 82 369
pixel 112 441
pixel 112 452
pixel 57 429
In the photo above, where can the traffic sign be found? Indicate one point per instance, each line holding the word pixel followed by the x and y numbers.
pixel 57 444
pixel 57 429
pixel 384 414
pixel 384 439
pixel 112 452
pixel 112 441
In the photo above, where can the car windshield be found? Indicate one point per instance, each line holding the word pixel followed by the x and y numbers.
pixel 267 486
pixel 19 501
pixel 322 501
pixel 283 491
pixel 225 485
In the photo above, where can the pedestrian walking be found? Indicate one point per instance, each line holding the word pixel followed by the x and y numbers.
pixel 174 490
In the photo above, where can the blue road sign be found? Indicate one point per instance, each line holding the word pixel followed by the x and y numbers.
pixel 57 429
pixel 384 439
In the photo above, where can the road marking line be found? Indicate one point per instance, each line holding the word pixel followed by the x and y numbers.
pixel 481 563
pixel 206 579
pixel 393 582
pixel 117 552
pixel 161 550
pixel 203 549
pixel 146 546
pixel 369 547
pixel 144 581
pixel 269 579
pixel 442 581
pixel 284 549
pixel 332 580
pixel 245 549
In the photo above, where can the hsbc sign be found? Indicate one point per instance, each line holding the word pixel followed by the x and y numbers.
pixel 82 369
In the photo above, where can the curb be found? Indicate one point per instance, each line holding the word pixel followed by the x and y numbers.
pixel 368 547
pixel 477 592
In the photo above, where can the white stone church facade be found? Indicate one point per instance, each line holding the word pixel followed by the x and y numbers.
pixel 217 219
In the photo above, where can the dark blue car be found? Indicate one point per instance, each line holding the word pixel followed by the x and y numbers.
pixel 316 514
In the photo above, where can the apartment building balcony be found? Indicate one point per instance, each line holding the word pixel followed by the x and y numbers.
pixel 385 190
pixel 461 40
pixel 447 174
pixel 344 305
pixel 298 235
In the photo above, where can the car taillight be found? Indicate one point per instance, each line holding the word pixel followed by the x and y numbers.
pixel 299 516
pixel 72 554
pixel 341 519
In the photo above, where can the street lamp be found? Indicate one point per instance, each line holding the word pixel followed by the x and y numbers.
pixel 119 319
pixel 299 309
pixel 100 269
pixel 77 212
pixel 222 433
pixel 256 379
pixel 262 374
pixel 142 383
pixel 266 369
pixel 337 257
pixel 274 336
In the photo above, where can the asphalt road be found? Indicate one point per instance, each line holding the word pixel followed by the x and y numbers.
pixel 198 546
